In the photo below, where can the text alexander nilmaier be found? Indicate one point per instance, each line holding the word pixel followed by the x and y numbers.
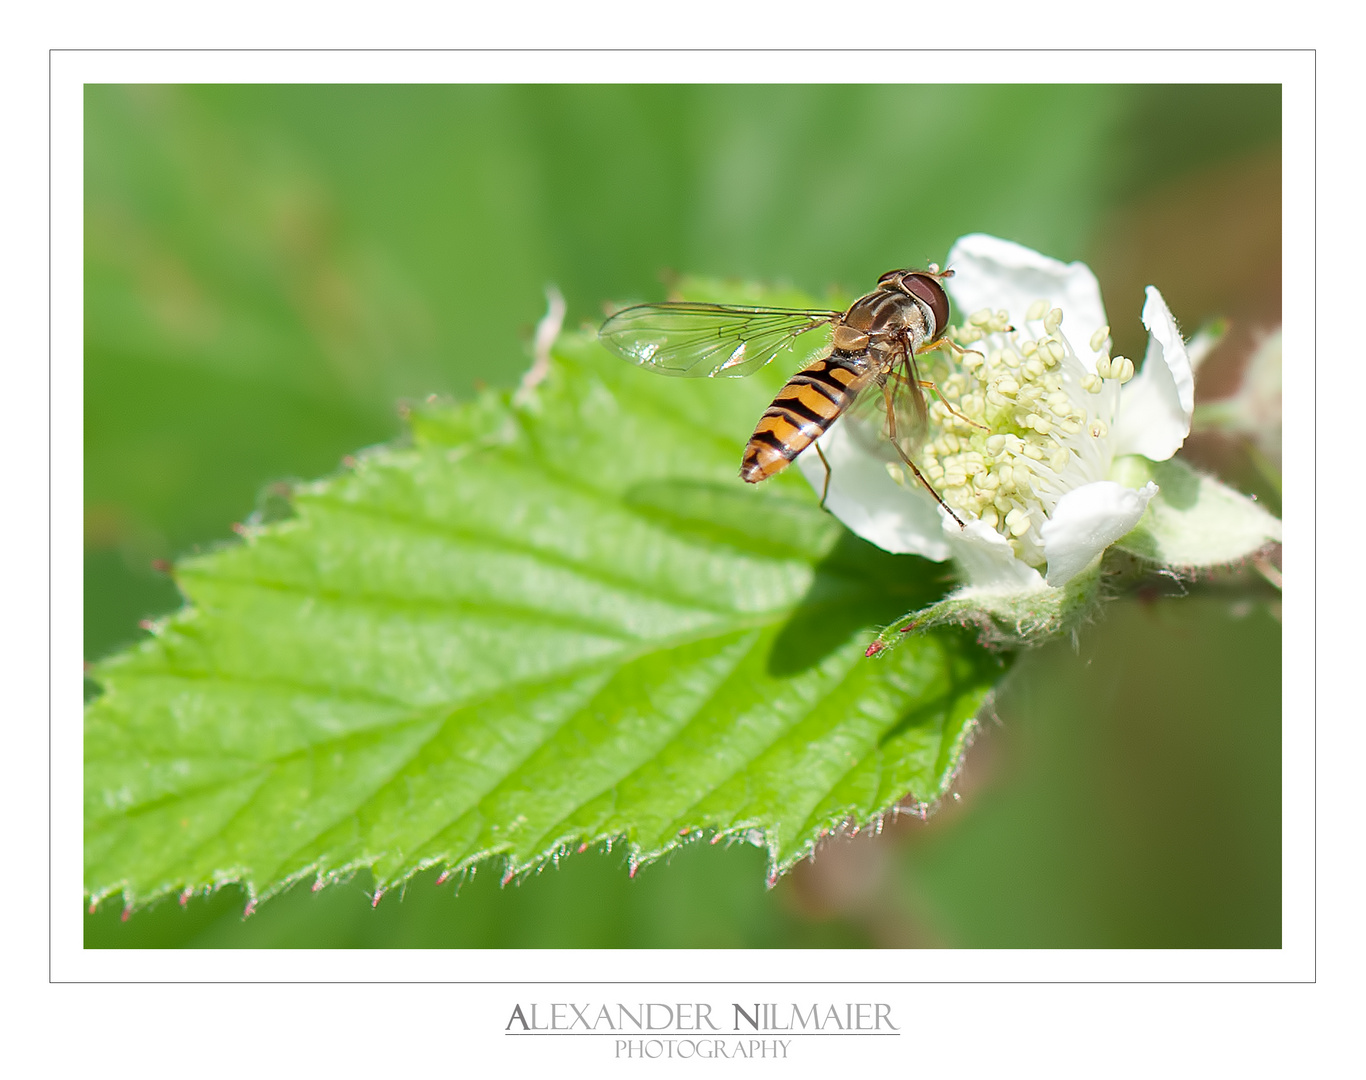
pixel 746 1018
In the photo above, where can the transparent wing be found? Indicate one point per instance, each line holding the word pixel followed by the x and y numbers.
pixel 874 427
pixel 706 340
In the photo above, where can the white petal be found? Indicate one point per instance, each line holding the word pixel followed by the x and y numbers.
pixel 1086 521
pixel 1155 406
pixel 987 559
pixel 865 498
pixel 994 273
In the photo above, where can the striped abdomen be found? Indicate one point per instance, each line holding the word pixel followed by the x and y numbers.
pixel 805 407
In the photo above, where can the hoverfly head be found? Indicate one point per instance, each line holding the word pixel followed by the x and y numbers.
pixel 925 286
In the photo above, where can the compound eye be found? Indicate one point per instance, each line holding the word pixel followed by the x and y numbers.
pixel 923 287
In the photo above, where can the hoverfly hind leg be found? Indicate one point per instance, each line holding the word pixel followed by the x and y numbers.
pixel 825 488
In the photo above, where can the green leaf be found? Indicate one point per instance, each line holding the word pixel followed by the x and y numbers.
pixel 1193 520
pixel 534 627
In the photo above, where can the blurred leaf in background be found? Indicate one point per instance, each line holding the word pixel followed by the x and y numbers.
pixel 269 269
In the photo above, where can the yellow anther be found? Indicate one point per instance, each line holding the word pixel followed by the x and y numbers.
pixel 1098 429
pixel 1103 366
pixel 1029 348
pixel 1053 352
pixel 989 517
pixel 1017 521
pixel 1036 310
pixel 896 472
pixel 1122 368
pixel 1053 320
pixel 1007 386
pixel 1098 338
pixel 1035 367
pixel 1059 460
pixel 1092 383
pixel 980 318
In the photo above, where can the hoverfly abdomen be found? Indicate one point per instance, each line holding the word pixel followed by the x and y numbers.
pixel 804 409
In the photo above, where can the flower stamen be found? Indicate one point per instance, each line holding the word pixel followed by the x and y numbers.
pixel 1021 429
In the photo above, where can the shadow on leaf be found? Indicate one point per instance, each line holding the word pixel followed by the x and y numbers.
pixel 858 589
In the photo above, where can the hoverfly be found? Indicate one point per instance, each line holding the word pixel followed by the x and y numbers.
pixel 871 358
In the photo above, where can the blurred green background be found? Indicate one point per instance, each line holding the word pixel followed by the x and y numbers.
pixel 271 269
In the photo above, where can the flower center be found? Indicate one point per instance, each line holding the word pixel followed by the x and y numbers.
pixel 1016 420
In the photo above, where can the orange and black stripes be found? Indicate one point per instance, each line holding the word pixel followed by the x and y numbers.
pixel 804 409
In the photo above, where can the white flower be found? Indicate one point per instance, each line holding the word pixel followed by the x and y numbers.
pixel 1032 433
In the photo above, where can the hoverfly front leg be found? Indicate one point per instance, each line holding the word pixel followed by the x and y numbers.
pixel 953 346
pixel 891 434
pixel 934 387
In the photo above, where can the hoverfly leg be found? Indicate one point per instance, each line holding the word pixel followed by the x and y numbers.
pixel 934 387
pixel 825 488
pixel 952 346
pixel 928 385
pixel 891 434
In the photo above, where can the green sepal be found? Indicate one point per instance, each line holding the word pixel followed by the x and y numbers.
pixel 1194 521
pixel 1004 618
